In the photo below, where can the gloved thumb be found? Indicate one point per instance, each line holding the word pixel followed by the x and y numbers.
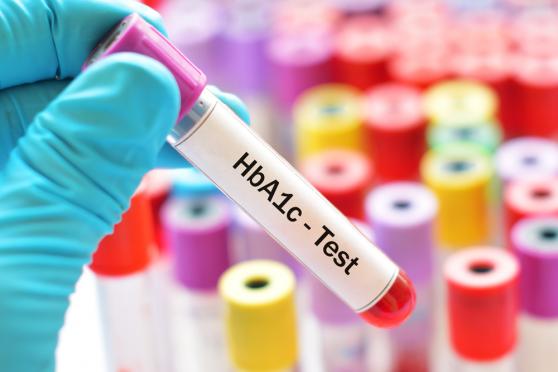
pixel 65 186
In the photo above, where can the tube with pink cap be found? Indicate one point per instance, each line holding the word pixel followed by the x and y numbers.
pixel 215 140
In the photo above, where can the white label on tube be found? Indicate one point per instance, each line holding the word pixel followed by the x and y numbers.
pixel 270 190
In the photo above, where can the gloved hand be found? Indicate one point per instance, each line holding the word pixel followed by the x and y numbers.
pixel 72 152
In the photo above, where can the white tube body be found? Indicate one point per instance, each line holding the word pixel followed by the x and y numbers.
pixel 271 191
pixel 128 322
pixel 343 347
pixel 538 344
pixel 199 331
pixel 504 364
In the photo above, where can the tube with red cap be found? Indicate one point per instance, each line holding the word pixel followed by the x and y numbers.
pixel 197 231
pixel 361 50
pixel 212 138
pixel 482 309
pixel 535 241
pixel 343 177
pixel 395 129
pixel 528 198
pixel 121 265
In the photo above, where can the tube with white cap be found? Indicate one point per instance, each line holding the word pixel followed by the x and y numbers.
pixel 215 140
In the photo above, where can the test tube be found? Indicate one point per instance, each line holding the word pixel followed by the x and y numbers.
pixel 402 215
pixel 260 316
pixel 535 241
pixel 537 79
pixel 211 137
pixel 121 266
pixel 460 177
pixel 422 70
pixel 460 101
pixel 528 198
pixel 486 135
pixel 343 177
pixel 526 157
pixel 394 129
pixel 482 309
pixel 197 231
pixel 328 117
pixel 362 47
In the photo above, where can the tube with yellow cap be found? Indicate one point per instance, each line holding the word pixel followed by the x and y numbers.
pixel 460 176
pixel 328 116
pixel 260 316
pixel 460 101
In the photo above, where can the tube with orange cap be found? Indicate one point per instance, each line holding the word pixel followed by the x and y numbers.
pixel 121 264
pixel 482 309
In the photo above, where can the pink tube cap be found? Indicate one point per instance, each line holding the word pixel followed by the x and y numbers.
pixel 135 35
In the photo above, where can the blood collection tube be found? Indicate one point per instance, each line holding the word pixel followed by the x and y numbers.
pixel 482 309
pixel 459 101
pixel 260 316
pixel 537 79
pixel 343 177
pixel 486 135
pixel 254 243
pixel 157 185
pixel 361 49
pixel 527 198
pixel 460 177
pixel 402 215
pixel 526 157
pixel 294 17
pixel 394 129
pixel 197 231
pixel 211 137
pixel 328 117
pixel 535 241
pixel 121 266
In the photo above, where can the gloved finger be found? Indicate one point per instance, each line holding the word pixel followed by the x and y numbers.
pixel 52 38
pixel 19 106
pixel 169 157
pixel 65 186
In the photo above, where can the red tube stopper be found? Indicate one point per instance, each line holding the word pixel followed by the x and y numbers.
pixel 343 177
pixel 394 129
pixel 361 49
pixel 131 246
pixel 482 302
pixel 530 197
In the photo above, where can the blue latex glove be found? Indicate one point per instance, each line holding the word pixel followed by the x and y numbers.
pixel 72 152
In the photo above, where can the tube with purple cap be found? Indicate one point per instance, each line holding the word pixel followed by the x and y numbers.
pixel 535 241
pixel 197 233
pixel 212 138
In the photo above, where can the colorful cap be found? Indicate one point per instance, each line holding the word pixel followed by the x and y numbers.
pixel 190 182
pixel 535 241
pixel 528 198
pixel 342 176
pixel 486 135
pixel 482 302
pixel 460 101
pixel 260 315
pixel 197 233
pixel 402 215
pixel 526 157
pixel 135 35
pixel 131 246
pixel 460 176
pixel 328 117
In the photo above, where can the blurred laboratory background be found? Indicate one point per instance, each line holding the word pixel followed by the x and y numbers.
pixel 432 124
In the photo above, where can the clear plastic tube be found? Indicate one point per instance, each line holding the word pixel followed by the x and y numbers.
pixel 215 140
